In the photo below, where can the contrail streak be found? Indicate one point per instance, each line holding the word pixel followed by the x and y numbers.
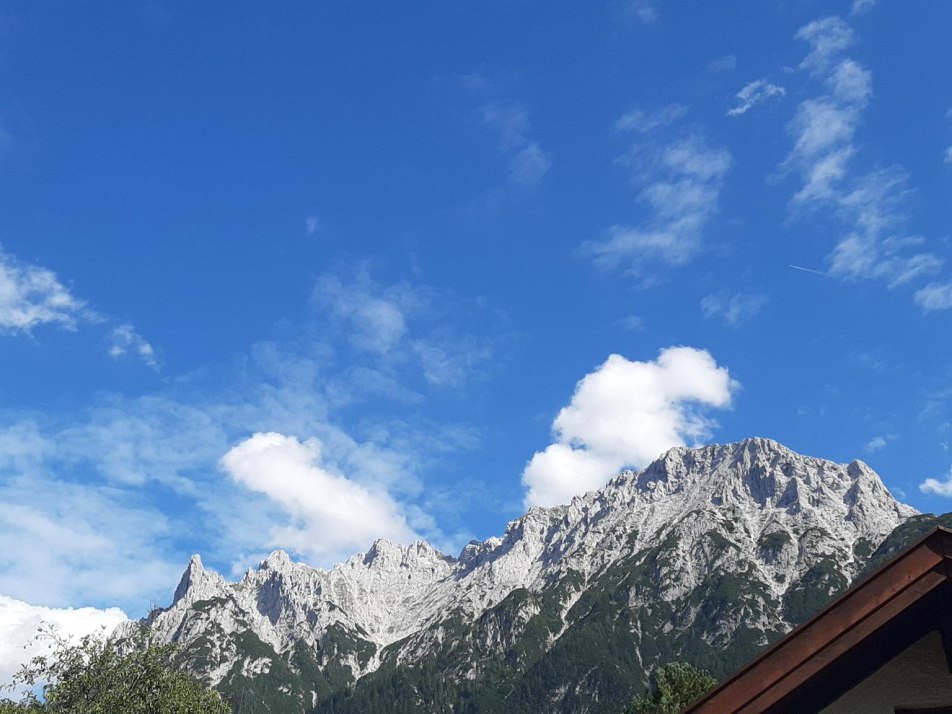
pixel 810 270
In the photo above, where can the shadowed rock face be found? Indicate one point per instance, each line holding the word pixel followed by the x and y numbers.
pixel 723 544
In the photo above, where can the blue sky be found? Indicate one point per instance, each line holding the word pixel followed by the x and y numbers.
pixel 301 275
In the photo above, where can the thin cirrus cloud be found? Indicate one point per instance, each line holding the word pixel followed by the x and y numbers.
pixel 388 324
pixel 733 309
pixel 753 94
pixel 527 162
pixel 870 206
pixel 624 414
pixel 679 181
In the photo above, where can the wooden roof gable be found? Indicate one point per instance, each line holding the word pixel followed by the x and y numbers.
pixel 849 639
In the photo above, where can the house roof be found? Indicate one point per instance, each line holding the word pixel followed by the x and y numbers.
pixel 849 639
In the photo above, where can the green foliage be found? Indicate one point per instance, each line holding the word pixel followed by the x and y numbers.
pixel 101 675
pixel 674 686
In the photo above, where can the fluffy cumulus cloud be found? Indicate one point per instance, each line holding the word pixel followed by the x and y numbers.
pixel 624 414
pixel 679 181
pixel 869 206
pixel 328 516
pixel 733 309
pixel 938 487
pixel 20 622
pixel 31 296
pixel 753 94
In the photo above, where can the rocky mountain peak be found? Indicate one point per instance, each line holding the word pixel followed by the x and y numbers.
pixel 277 560
pixel 754 513
pixel 197 583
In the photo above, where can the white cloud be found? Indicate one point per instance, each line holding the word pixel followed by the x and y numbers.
pixel 528 162
pixel 643 121
pixel 935 296
pixel 643 10
pixel 124 340
pixel 948 155
pixel 827 39
pixel 85 514
pixel 632 323
pixel 389 323
pixel 878 443
pixel 869 206
pixel 32 296
pixel 528 166
pixel 66 542
pixel 753 94
pixel 680 184
pixel 312 224
pixel 862 6
pixel 329 516
pixel 726 63
pixel 20 622
pixel 733 310
pixel 939 488
pixel 624 414
pixel 374 319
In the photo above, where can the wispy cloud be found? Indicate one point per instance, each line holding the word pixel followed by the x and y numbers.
pixel 31 296
pixel 528 163
pixel 632 323
pixel 935 296
pixel 312 224
pixel 860 7
pixel 376 319
pixel 645 11
pixel 753 94
pixel 733 309
pixel 726 63
pixel 870 206
pixel 635 12
pixel 627 413
pixel 125 340
pixel 84 518
pixel 642 121
pixel 878 443
pixel 679 182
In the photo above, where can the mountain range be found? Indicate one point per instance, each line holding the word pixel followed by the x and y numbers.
pixel 706 556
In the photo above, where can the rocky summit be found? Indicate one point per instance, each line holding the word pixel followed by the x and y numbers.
pixel 706 555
